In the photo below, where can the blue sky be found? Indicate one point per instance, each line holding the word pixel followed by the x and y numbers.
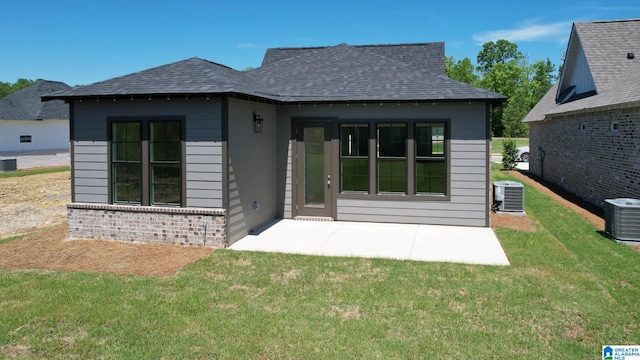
pixel 81 42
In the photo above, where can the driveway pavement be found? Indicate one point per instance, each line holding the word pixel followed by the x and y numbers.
pixel 35 159
pixel 458 244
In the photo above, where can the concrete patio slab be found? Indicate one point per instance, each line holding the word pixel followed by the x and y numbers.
pixel 459 244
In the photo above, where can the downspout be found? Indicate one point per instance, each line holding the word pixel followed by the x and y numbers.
pixel 541 157
pixel 72 137
pixel 225 166
pixel 488 136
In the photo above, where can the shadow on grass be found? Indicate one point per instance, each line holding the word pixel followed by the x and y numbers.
pixel 566 194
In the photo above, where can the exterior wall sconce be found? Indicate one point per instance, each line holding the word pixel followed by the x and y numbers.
pixel 257 123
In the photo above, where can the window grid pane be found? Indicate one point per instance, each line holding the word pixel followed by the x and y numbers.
pixel 430 163
pixel 354 158
pixel 392 161
pixel 126 166
pixel 165 156
pixel 430 139
pixel 430 176
pixel 392 176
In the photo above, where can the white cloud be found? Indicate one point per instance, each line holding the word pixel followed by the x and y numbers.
pixel 530 32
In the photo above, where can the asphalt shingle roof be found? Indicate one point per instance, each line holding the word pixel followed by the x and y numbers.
pixel 617 78
pixel 420 56
pixel 335 73
pixel 25 104
pixel 348 73
pixel 190 76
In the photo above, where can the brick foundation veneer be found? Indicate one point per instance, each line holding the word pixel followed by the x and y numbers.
pixel 184 226
pixel 593 162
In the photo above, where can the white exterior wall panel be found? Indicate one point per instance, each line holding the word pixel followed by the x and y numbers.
pixel 45 135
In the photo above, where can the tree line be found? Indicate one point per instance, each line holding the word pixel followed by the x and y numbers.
pixel 502 68
pixel 7 88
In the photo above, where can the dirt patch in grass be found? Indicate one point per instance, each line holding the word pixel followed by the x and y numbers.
pixel 37 204
pixel 512 221
pixel 51 250
pixel 33 202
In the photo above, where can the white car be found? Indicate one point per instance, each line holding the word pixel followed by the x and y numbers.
pixel 522 154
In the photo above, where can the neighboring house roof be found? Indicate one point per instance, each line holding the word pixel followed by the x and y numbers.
pixel 335 73
pixel 597 69
pixel 25 104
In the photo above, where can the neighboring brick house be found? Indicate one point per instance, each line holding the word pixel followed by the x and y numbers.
pixel 194 152
pixel 584 134
pixel 28 124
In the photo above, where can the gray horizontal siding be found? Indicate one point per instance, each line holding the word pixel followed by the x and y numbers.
pixel 453 221
pixel 204 148
pixel 91 182
pixel 204 160
pixel 92 174
pixel 90 198
pixel 482 170
pixel 80 165
pixel 460 191
pixel 467 204
pixel 205 203
pixel 204 174
pixel 203 167
pixel 205 185
pixel 92 190
pixel 467 185
pixel 193 176
pixel 204 194
pixel 407 207
pixel 468 177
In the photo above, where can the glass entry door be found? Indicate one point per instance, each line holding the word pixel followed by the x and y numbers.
pixel 313 173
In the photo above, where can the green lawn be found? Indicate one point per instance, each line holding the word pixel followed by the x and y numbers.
pixel 27 172
pixel 497 144
pixel 568 292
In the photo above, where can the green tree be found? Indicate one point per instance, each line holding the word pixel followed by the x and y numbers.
pixel 499 52
pixel 514 111
pixel 503 69
pixel 509 153
pixel 7 88
pixel 542 79
pixel 505 79
pixel 462 70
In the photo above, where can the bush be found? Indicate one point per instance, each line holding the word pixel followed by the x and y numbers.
pixel 509 153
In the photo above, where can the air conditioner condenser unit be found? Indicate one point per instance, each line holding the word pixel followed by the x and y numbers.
pixel 508 196
pixel 622 218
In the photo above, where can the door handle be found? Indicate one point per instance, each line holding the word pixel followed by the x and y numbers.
pixel 329 180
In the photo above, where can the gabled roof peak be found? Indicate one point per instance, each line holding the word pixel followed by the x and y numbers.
pixel 609 21
pixel 598 66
